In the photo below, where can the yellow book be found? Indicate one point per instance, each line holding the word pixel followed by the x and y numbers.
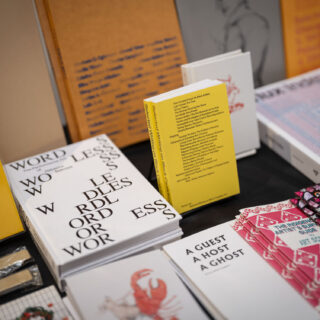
pixel 193 144
pixel 301 35
pixel 149 110
pixel 10 220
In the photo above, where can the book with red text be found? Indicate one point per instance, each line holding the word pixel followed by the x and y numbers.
pixel 292 237
pixel 271 254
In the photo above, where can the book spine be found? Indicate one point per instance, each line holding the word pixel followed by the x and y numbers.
pixel 288 151
pixel 185 75
pixel 161 156
pixel 154 146
pixel 42 249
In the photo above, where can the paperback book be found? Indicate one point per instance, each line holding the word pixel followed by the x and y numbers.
pixel 192 144
pixel 288 113
pixel 86 204
pixel 234 69
pixel 231 279
pixel 141 287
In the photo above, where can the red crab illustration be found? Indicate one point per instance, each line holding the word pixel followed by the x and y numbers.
pixel 149 304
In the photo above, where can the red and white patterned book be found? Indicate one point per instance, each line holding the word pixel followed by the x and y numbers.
pixel 249 234
pixel 296 238
pixel 282 259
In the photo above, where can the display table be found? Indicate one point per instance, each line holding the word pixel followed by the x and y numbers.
pixel 264 178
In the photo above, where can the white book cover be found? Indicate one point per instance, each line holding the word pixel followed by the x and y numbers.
pixel 86 204
pixel 141 287
pixel 42 304
pixel 288 112
pixel 234 69
pixel 232 280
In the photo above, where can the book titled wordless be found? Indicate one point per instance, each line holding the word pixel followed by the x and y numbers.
pixel 86 204
pixel 234 69
pixel 232 280
pixel 192 144
pixel 144 286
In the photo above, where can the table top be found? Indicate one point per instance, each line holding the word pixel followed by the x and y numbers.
pixel 264 178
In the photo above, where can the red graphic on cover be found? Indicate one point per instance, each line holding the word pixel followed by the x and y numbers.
pixel 149 301
pixel 247 231
pixel 38 312
pixel 302 260
pixel 232 91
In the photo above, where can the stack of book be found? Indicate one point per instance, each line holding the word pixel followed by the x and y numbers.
pixel 86 204
pixel 289 117
pixel 231 280
pixel 289 241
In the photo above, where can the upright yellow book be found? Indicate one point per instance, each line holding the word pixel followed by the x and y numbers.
pixel 192 143
pixel 10 220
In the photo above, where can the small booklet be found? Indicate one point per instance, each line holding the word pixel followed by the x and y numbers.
pixel 42 304
pixel 235 70
pixel 232 280
pixel 192 144
pixel 141 287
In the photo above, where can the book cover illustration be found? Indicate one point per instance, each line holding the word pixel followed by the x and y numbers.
pixel 43 304
pixel 233 92
pixel 143 286
pixel 235 70
pixel 295 236
pixel 150 299
pixel 215 27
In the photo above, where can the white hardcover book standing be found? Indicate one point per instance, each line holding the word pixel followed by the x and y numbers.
pixel 86 204
pixel 232 280
pixel 141 287
pixel 234 69
pixel 288 112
